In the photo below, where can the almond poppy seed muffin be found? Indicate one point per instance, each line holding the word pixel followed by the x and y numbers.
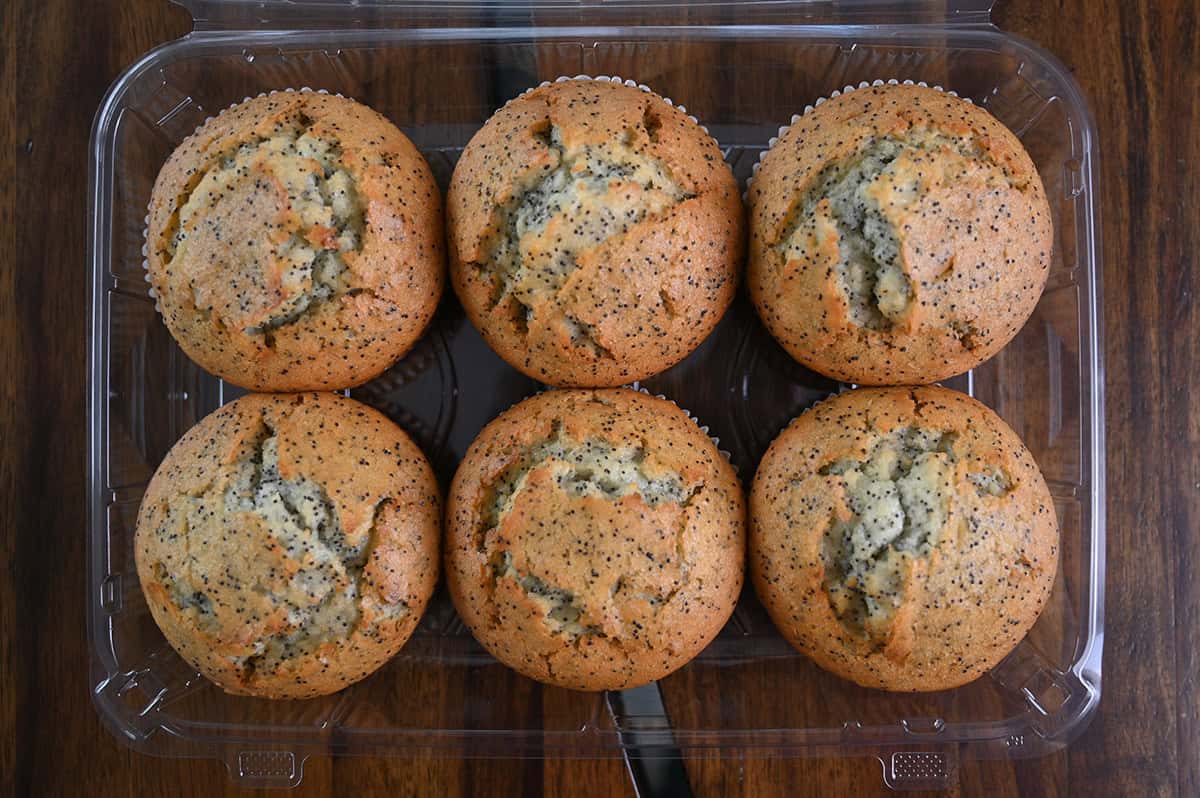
pixel 595 539
pixel 902 538
pixel 295 243
pixel 899 235
pixel 595 233
pixel 287 545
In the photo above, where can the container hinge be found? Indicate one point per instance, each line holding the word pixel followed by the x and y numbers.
pixel 290 15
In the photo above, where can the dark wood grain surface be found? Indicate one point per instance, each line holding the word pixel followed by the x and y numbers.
pixel 1139 66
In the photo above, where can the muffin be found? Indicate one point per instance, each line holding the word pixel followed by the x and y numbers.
pixel 295 243
pixel 287 545
pixel 902 538
pixel 595 233
pixel 595 539
pixel 898 235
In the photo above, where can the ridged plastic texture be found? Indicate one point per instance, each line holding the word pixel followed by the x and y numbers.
pixel 748 692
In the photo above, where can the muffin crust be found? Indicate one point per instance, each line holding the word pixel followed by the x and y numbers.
pixel 595 539
pixel 902 538
pixel 899 235
pixel 287 545
pixel 295 242
pixel 595 233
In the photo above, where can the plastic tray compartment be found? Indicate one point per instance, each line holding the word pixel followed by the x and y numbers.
pixel 743 71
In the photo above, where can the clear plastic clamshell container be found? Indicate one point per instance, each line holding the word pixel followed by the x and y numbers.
pixel 743 70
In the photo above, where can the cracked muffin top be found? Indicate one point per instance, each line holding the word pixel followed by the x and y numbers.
pixel 595 539
pixel 287 545
pixel 595 233
pixel 902 538
pixel 898 235
pixel 295 243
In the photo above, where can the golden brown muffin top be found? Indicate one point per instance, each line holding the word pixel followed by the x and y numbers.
pixel 287 545
pixel 899 235
pixel 595 233
pixel 295 242
pixel 902 538
pixel 595 539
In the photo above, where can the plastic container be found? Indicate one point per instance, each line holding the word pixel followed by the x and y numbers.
pixel 743 70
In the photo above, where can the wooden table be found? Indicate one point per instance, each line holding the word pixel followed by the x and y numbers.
pixel 1138 64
